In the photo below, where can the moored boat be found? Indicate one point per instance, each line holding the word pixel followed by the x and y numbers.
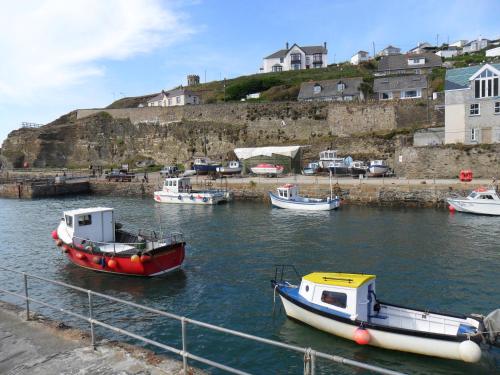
pixel 92 239
pixel 346 305
pixel 482 201
pixel 330 161
pixel 378 168
pixel 232 168
pixel 358 168
pixel 311 169
pixel 287 197
pixel 205 166
pixel 179 190
pixel 268 169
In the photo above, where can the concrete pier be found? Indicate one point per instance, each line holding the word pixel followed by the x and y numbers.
pixel 42 189
pixel 42 347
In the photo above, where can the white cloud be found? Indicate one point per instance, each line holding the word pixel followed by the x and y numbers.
pixel 56 43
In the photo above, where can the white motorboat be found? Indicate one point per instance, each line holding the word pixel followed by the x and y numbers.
pixel 346 305
pixel 232 168
pixel 329 160
pixel 311 169
pixel 358 168
pixel 179 190
pixel 482 201
pixel 288 197
pixel 378 168
pixel 268 169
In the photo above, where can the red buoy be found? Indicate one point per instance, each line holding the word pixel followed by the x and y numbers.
pixel 112 263
pixel 451 208
pixel 80 256
pixel 54 235
pixel 361 336
pixel 135 258
pixel 96 260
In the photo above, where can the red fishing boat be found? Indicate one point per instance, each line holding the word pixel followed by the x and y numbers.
pixel 92 239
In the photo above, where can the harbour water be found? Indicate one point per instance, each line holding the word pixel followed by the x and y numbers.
pixel 425 258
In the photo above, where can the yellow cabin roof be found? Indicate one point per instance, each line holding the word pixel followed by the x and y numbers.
pixel 349 280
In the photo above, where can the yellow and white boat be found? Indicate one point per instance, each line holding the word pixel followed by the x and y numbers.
pixel 346 305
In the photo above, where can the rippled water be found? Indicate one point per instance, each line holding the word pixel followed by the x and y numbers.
pixel 423 257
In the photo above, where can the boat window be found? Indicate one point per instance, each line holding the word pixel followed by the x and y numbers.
pixel 84 220
pixel 285 194
pixel 174 183
pixel 69 221
pixel 334 298
pixel 472 195
pixel 487 197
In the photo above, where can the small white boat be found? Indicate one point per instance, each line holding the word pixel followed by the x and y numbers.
pixel 179 190
pixel 481 201
pixel 232 168
pixel 311 169
pixel 288 197
pixel 188 173
pixel 378 168
pixel 329 161
pixel 346 305
pixel 268 169
pixel 358 168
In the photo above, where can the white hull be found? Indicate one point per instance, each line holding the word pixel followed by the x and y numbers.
pixel 487 207
pixel 383 339
pixel 294 205
pixel 203 198
pixel 378 170
pixel 228 170
pixel 267 171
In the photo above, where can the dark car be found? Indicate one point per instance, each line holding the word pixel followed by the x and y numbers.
pixel 120 175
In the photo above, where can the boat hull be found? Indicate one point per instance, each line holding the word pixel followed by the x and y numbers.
pixel 378 170
pixel 226 171
pixel 200 198
pixel 339 171
pixel 379 338
pixel 267 171
pixel 161 262
pixel 205 168
pixel 304 206
pixel 475 207
pixel 358 171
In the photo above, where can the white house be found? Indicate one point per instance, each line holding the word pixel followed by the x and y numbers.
pixel 360 56
pixel 390 50
pixel 420 48
pixel 493 52
pixel 476 45
pixel 448 53
pixel 459 43
pixel 295 58
pixel 173 98
pixel 472 104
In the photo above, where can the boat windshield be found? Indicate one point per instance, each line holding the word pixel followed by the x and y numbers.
pixel 473 195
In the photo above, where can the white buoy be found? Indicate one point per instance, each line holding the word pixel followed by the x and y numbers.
pixel 469 351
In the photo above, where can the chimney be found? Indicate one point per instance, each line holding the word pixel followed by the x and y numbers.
pixel 324 44
pixel 286 45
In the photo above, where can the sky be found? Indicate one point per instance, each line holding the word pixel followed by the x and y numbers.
pixel 59 55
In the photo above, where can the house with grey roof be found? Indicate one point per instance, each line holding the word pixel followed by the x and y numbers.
pixel 389 50
pixel 401 87
pixel 415 63
pixel 295 57
pixel 472 104
pixel 359 57
pixel 175 97
pixel 476 45
pixel 343 89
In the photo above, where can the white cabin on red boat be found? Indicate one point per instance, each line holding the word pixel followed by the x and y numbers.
pixel 96 224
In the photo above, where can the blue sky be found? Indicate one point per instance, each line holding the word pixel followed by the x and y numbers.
pixel 58 55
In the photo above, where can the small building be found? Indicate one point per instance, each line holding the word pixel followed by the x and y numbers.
pixel 493 52
pixel 448 52
pixel 423 47
pixel 193 80
pixel 401 87
pixel 459 43
pixel 421 63
pixel 359 57
pixel 296 57
pixel 343 89
pixel 472 104
pixel 390 50
pixel 290 157
pixel 476 45
pixel 172 98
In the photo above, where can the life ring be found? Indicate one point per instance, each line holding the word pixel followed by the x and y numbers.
pixel 179 197
pixel 205 199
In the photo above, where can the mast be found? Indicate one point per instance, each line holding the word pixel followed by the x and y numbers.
pixel 331 189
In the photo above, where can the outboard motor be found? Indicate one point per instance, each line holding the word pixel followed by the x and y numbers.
pixel 491 331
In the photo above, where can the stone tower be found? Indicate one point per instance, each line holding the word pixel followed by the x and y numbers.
pixel 193 79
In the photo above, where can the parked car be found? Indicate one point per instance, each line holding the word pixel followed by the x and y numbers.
pixel 169 170
pixel 120 175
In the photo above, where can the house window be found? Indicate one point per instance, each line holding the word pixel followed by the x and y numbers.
pixel 84 220
pixel 169 101
pixel 317 58
pixel 334 298
pixel 486 85
pixel 296 66
pixel 295 57
pixel 340 86
pixel 277 68
pixel 474 135
pixel 474 109
pixel 497 108
pixel 178 99
pixel 410 94
pixel 282 60
pixel 386 95
pixel 316 89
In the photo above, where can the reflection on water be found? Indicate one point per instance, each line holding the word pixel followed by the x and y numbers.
pixel 423 257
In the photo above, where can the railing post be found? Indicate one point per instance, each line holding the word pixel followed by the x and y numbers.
pixel 307 362
pixel 26 295
pixel 91 320
pixel 313 362
pixel 184 346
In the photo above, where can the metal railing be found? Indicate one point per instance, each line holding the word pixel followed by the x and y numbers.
pixel 309 354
